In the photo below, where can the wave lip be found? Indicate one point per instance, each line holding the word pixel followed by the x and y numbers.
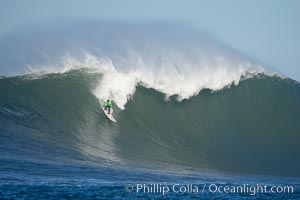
pixel 173 76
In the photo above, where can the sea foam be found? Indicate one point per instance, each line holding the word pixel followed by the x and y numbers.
pixel 171 74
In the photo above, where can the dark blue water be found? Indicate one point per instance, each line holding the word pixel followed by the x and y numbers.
pixel 30 180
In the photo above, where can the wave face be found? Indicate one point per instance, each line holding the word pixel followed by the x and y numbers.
pixel 252 127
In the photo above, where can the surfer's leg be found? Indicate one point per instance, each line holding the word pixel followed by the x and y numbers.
pixel 108 109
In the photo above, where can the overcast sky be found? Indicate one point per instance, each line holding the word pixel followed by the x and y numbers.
pixel 267 30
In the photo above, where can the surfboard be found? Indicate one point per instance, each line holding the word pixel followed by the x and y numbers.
pixel 109 116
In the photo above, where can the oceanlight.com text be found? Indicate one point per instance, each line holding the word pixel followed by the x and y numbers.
pixel 165 188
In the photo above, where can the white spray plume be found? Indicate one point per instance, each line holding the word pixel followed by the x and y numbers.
pixel 171 75
pixel 172 60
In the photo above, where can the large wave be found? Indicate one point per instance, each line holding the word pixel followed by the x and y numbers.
pixel 224 111
pixel 248 128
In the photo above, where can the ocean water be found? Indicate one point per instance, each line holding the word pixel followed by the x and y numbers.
pixel 56 143
pixel 195 118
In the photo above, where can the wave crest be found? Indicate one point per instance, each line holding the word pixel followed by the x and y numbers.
pixel 171 59
pixel 173 75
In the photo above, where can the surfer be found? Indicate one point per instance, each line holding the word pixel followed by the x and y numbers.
pixel 107 105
